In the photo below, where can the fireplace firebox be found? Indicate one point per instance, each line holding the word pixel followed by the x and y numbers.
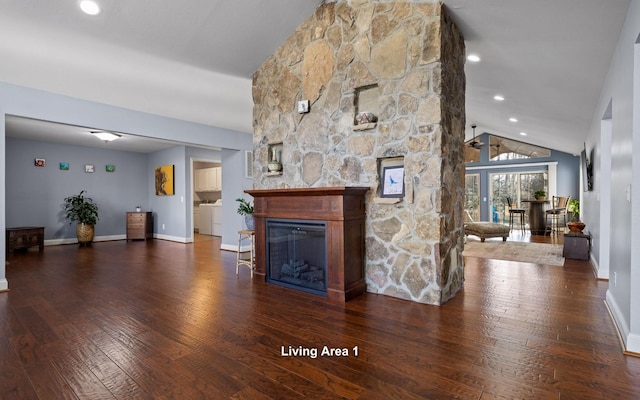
pixel 297 254
pixel 339 212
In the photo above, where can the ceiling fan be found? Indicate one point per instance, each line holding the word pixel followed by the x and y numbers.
pixel 476 144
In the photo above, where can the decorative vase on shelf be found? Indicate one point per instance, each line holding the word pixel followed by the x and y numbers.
pixel 249 221
pixel 576 226
pixel 274 165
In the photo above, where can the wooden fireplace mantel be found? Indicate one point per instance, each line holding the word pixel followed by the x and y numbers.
pixel 343 209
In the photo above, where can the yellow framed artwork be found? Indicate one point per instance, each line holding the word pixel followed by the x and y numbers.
pixel 164 181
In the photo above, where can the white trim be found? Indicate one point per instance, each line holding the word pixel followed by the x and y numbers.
pixel 57 242
pixel 234 247
pixel 618 317
pixel 171 238
pixel 4 285
pixel 506 166
pixel 603 235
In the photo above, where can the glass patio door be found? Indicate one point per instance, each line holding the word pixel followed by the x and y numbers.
pixel 517 185
pixel 472 196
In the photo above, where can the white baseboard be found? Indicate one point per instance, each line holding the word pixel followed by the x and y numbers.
pixel 4 285
pixel 108 238
pixel 618 318
pixel 234 247
pixel 172 238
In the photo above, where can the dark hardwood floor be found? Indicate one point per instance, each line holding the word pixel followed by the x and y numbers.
pixel 164 320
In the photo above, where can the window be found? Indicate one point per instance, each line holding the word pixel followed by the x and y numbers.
pixel 506 149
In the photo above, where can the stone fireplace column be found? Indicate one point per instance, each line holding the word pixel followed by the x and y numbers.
pixel 403 62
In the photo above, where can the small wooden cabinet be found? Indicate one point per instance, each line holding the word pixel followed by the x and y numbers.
pixel 24 237
pixel 139 225
pixel 576 246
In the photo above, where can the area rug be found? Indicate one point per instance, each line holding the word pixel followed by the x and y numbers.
pixel 536 253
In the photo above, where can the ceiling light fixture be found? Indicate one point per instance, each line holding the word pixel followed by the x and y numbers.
pixel 512 119
pixel 90 7
pixel 498 97
pixel 523 133
pixel 105 136
pixel 473 58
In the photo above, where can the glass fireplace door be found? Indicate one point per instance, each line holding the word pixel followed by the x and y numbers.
pixel 297 254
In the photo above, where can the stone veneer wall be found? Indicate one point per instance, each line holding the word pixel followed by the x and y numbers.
pixel 414 54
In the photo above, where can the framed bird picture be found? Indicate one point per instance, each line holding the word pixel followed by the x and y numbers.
pixel 393 181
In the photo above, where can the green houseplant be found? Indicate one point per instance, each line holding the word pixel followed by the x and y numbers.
pixel 573 209
pixel 574 224
pixel 82 209
pixel 540 194
pixel 245 208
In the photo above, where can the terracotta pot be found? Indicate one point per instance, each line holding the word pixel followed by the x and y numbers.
pixel 576 226
pixel 541 197
pixel 84 232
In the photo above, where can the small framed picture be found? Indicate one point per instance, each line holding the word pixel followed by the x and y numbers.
pixel 89 168
pixel 393 181
pixel 39 162
pixel 110 168
pixel 64 166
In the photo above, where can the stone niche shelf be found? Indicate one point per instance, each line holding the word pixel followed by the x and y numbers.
pixel 343 210
pixel 364 127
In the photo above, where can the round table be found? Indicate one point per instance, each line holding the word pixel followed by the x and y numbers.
pixel 537 216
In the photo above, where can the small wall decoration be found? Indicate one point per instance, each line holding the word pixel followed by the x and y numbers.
pixel 164 181
pixel 89 168
pixel 393 181
pixel 64 166
pixel 110 168
pixel 39 162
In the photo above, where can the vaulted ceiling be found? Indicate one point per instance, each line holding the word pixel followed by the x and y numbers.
pixel 193 60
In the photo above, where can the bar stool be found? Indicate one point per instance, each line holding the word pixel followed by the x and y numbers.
pixel 515 211
pixel 242 258
pixel 558 209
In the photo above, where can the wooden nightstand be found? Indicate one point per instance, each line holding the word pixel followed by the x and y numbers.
pixel 139 225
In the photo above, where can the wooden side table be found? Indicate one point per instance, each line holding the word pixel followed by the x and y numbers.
pixel 242 258
pixel 139 225
pixel 24 237
pixel 576 246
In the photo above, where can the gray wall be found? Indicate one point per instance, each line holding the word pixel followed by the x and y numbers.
pixel 39 201
pixel 34 195
pixel 619 198
pixel 170 212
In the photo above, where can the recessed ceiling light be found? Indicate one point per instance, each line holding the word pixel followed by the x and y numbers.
pixel 523 133
pixel 105 136
pixel 90 7
pixel 512 119
pixel 473 58
pixel 498 97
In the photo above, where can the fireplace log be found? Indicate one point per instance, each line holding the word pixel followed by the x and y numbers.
pixel 286 270
pixel 313 275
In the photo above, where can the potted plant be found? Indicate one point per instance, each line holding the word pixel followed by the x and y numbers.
pixel 573 209
pixel 84 211
pixel 540 194
pixel 246 208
